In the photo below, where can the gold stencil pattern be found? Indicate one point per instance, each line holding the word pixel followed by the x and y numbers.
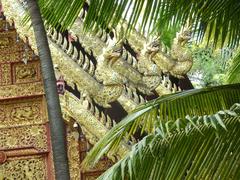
pixel 6 74
pixel 26 73
pixel 21 90
pixel 19 113
pixel 73 155
pixel 24 137
pixel 23 169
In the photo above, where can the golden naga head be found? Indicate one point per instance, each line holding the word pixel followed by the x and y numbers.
pixel 115 45
pixel 185 34
pixel 153 46
pixel 114 51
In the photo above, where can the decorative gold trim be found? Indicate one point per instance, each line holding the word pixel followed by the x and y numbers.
pixel 21 90
pixel 30 167
pixel 18 112
pixel 24 137
pixel 73 154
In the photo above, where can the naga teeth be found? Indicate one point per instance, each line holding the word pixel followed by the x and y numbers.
pixel 174 89
pixel 65 43
pixel 49 32
pixel 109 122
pixel 60 39
pixel 169 84
pixel 91 68
pixel 82 14
pixel 135 97
pixel 70 49
pixel 55 35
pixel 103 118
pixel 86 64
pixel 80 59
pixel 100 33
pixel 104 37
pixel 75 54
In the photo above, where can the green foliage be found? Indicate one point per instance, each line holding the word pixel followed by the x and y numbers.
pixel 189 134
pixel 59 13
pixel 210 66
pixel 233 75
pixel 168 35
pixel 213 19
pixel 204 150
pixel 164 113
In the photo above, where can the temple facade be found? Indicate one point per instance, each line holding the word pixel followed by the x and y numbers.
pixel 25 151
pixel 101 77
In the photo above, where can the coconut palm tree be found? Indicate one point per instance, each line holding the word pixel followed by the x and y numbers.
pixel 57 128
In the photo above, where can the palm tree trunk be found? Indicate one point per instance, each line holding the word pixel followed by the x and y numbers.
pixel 57 127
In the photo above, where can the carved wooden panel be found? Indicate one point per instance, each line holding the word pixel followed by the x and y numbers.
pixel 24 153
pixel 19 113
pixel 7 38
pixel 1 74
pixel 29 72
pixel 73 155
pixel 7 56
pixel 24 168
pixel 24 137
pixel 21 90
pixel 2 24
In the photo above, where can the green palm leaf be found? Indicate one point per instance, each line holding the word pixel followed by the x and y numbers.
pixel 60 14
pixel 233 75
pixel 170 109
pixel 194 152
pixel 215 20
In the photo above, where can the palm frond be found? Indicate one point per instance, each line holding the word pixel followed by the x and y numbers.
pixel 60 14
pixel 167 109
pixel 208 149
pixel 214 20
pixel 233 75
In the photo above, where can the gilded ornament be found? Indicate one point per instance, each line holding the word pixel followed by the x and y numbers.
pixel 23 128
pixel 27 168
pixel 20 90
pixel 24 113
pixel 6 77
pixel 18 113
pixel 24 137
pixel 2 114
pixel 4 42
pixel 180 60
pixel 27 72
pixel 73 155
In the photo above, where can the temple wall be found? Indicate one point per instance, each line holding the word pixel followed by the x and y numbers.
pixel 25 147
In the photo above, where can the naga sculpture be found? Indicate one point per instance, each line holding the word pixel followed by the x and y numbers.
pixel 179 61
pixel 127 66
pixel 82 72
